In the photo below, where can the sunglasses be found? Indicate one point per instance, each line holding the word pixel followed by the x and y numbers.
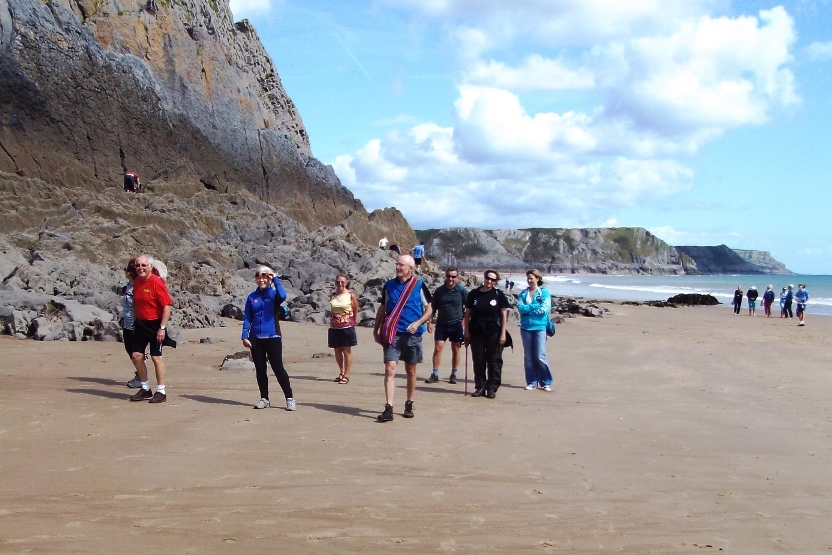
pixel 142 265
pixel 489 278
pixel 451 277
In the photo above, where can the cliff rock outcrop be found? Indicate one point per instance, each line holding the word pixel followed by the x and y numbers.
pixel 60 244
pixel 763 260
pixel 724 260
pixel 174 90
pixel 622 250
pixel 600 250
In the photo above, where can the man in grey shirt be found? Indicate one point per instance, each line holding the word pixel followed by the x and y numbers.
pixel 448 309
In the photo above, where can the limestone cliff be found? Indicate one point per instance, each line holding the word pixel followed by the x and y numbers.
pixel 624 250
pixel 763 260
pixel 723 260
pixel 614 250
pixel 172 89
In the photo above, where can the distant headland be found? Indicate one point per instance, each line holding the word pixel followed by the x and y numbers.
pixel 619 250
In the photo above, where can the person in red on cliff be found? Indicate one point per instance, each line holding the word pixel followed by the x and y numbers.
pixel 131 182
pixel 152 310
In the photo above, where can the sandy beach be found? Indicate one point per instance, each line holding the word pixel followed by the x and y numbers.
pixel 669 431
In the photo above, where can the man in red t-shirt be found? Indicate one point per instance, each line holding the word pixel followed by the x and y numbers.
pixel 152 308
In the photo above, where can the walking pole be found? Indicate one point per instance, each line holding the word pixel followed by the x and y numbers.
pixel 466 369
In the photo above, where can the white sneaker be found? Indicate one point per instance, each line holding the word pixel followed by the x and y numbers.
pixel 263 404
pixel 547 388
pixel 531 386
pixel 290 404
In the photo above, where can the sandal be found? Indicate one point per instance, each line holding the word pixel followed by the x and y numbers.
pixel 344 380
pixel 339 378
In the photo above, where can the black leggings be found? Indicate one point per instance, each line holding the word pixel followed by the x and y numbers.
pixel 487 355
pixel 271 348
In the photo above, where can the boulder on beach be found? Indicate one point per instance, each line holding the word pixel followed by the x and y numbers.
pixel 693 299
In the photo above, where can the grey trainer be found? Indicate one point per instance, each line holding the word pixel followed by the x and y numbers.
pixel 262 404
pixel 290 404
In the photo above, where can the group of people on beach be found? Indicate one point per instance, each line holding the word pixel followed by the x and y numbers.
pixel 787 297
pixel 476 319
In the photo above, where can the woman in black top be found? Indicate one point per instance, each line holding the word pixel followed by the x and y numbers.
pixel 737 299
pixel 486 312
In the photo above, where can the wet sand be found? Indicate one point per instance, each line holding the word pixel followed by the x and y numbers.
pixel 669 431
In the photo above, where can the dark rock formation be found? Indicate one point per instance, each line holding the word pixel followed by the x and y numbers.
pixel 67 245
pixel 693 299
pixel 724 260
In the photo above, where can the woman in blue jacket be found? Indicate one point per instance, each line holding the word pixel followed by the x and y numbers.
pixel 261 334
pixel 534 304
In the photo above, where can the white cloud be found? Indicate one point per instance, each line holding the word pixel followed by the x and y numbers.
pixel 500 167
pixel 710 75
pixel 240 8
pixel 535 73
pixel 658 83
pixel 559 22
pixel 470 44
pixel 492 125
pixel 820 50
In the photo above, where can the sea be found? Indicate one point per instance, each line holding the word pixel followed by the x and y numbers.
pixel 654 288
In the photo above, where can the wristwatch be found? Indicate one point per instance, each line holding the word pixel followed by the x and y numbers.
pixel 162 328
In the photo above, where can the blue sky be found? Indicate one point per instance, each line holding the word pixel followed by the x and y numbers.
pixel 704 121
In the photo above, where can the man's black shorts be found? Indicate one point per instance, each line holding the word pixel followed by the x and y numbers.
pixel 144 334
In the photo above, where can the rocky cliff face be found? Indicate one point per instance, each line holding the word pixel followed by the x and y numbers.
pixel 624 250
pixel 763 261
pixel 614 250
pixel 724 260
pixel 174 90
pixel 62 249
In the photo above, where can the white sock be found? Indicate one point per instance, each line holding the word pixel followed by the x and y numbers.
pixel 160 389
pixel 146 386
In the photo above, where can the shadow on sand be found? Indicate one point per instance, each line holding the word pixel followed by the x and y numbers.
pixel 215 400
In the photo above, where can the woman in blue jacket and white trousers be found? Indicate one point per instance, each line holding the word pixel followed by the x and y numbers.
pixel 261 334
pixel 534 304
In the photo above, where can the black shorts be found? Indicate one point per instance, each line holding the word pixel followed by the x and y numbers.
pixel 128 340
pixel 418 261
pixel 144 334
pixel 342 337
pixel 453 332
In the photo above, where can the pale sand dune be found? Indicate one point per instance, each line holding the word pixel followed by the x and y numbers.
pixel 669 431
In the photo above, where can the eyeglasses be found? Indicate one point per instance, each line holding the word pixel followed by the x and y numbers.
pixel 142 265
